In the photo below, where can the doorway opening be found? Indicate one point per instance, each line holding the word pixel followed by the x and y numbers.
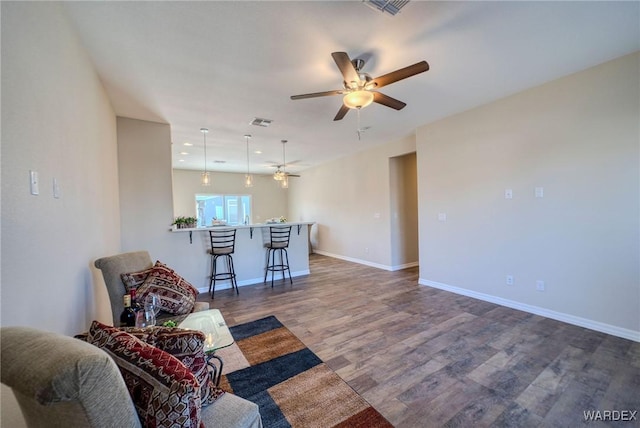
pixel 403 176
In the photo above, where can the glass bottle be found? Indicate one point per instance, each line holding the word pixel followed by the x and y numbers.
pixel 128 316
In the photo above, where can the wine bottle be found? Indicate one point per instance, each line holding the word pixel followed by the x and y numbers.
pixel 135 305
pixel 128 316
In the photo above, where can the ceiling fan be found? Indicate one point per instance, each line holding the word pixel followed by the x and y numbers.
pixel 281 175
pixel 359 87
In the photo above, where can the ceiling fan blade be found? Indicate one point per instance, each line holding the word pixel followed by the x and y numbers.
pixel 342 112
pixel 316 94
pixel 386 100
pixel 400 74
pixel 293 175
pixel 343 62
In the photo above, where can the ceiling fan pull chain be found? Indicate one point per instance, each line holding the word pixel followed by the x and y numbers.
pixel 358 123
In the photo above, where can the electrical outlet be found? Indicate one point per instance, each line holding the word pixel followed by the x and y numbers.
pixel 540 285
pixel 508 193
pixel 509 279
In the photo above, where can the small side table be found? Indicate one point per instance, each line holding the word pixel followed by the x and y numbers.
pixel 217 334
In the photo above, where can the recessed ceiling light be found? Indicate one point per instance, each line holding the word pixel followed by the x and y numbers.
pixel 258 152
pixel 184 153
pixel 187 144
pixel 180 160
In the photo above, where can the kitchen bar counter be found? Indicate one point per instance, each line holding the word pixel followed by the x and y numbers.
pixel 249 257
pixel 295 226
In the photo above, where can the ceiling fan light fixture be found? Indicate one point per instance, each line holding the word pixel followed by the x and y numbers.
pixel 358 99
pixel 281 175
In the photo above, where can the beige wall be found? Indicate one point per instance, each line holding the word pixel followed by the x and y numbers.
pixel 578 138
pixel 146 203
pixel 349 199
pixel 57 120
pixel 267 199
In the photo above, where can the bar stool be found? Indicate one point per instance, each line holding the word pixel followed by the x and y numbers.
pixel 278 242
pixel 222 245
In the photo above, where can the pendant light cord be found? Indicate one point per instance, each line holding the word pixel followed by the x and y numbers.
pixel 284 162
pixel 247 139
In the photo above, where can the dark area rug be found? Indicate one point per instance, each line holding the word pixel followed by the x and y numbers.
pixel 292 386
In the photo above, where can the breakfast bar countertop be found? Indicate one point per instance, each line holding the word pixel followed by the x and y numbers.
pixel 244 226
pixel 249 254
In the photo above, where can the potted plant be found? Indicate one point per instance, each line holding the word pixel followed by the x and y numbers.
pixel 182 222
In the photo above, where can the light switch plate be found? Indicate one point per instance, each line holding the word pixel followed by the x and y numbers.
pixel 539 192
pixel 34 183
pixel 56 188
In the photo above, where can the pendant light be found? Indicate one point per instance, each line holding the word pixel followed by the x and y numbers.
pixel 284 181
pixel 248 179
pixel 206 178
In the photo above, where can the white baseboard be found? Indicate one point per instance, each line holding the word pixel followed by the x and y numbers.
pixel 624 333
pixel 366 262
pixel 405 266
pixel 226 284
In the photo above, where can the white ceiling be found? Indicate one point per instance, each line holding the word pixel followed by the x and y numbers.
pixel 220 64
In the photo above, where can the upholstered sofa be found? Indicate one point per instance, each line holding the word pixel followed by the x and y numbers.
pixel 61 381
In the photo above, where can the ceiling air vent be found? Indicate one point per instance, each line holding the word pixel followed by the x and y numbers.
pixel 261 122
pixel 390 6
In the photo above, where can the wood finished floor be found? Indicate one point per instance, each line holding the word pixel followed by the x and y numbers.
pixel 428 358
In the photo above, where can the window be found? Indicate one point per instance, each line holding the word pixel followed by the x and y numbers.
pixel 234 209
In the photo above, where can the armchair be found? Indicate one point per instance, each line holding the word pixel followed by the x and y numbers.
pixel 60 381
pixel 113 267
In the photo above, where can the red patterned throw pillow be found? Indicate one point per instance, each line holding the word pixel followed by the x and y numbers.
pixel 163 390
pixel 188 347
pixel 133 280
pixel 177 295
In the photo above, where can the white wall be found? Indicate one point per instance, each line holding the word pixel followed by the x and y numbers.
pixel 57 120
pixel 349 199
pixel 267 199
pixel 578 138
